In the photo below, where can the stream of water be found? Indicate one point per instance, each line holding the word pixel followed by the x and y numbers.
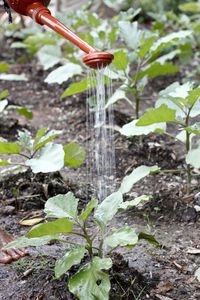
pixel 101 156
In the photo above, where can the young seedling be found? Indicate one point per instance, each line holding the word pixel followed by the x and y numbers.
pixel 40 153
pixel 92 279
pixel 177 104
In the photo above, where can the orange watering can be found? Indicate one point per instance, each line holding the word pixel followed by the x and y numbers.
pixel 39 12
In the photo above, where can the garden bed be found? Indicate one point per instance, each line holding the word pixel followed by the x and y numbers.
pixel 155 273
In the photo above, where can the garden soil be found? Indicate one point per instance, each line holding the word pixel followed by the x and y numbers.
pixel 144 272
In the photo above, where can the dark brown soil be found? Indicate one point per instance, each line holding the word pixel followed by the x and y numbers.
pixel 147 272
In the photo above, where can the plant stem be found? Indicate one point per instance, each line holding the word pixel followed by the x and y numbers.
pixel 187 149
pixel 137 104
pixel 188 168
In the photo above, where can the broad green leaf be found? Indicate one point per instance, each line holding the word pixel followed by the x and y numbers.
pixel 9 148
pixel 136 175
pixel 120 61
pixel 131 129
pixel 4 94
pixel 69 259
pixel 23 111
pixel 197 274
pixel 130 33
pixel 49 56
pixel 63 73
pixel 4 163
pixel 149 238
pixel 55 227
pixel 107 209
pixel 169 39
pixel 157 115
pixel 124 236
pixel 133 203
pixel 43 137
pixel 35 242
pixel 74 155
pixel 76 88
pixel 118 95
pixel 146 46
pixel 62 206
pixel 50 159
pixel 193 158
pixel 4 67
pixel 157 69
pixel 191 7
pixel 90 282
pixel 13 77
pixel 3 104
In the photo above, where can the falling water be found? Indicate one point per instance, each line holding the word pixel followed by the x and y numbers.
pixel 101 156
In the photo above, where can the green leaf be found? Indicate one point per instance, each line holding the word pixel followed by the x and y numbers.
pixel 197 274
pixel 76 88
pixel 49 56
pixel 23 111
pixel 71 258
pixel 63 73
pixel 9 148
pixel 90 282
pixel 146 46
pixel 35 242
pixel 62 206
pixel 149 238
pixel 157 69
pixel 191 7
pixel 89 208
pixel 169 39
pixel 130 33
pixel 157 115
pixel 4 163
pixel 107 209
pixel 41 132
pixel 4 94
pixel 120 61
pixel 74 155
pixel 4 67
pixel 133 203
pixel 56 227
pixel 3 104
pixel 43 137
pixel 193 96
pixel 25 140
pixel 131 129
pixel 13 77
pixel 193 158
pixel 118 95
pixel 136 175
pixel 124 236
pixel 50 159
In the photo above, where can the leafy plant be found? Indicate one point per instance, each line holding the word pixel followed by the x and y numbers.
pixel 40 153
pixel 177 104
pixel 92 279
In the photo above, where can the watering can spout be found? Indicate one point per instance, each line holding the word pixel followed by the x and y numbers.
pixel 39 12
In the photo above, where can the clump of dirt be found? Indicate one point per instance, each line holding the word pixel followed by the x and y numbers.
pixel 27 191
pixel 127 283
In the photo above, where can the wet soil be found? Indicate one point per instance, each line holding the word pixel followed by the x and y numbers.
pixel 144 272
